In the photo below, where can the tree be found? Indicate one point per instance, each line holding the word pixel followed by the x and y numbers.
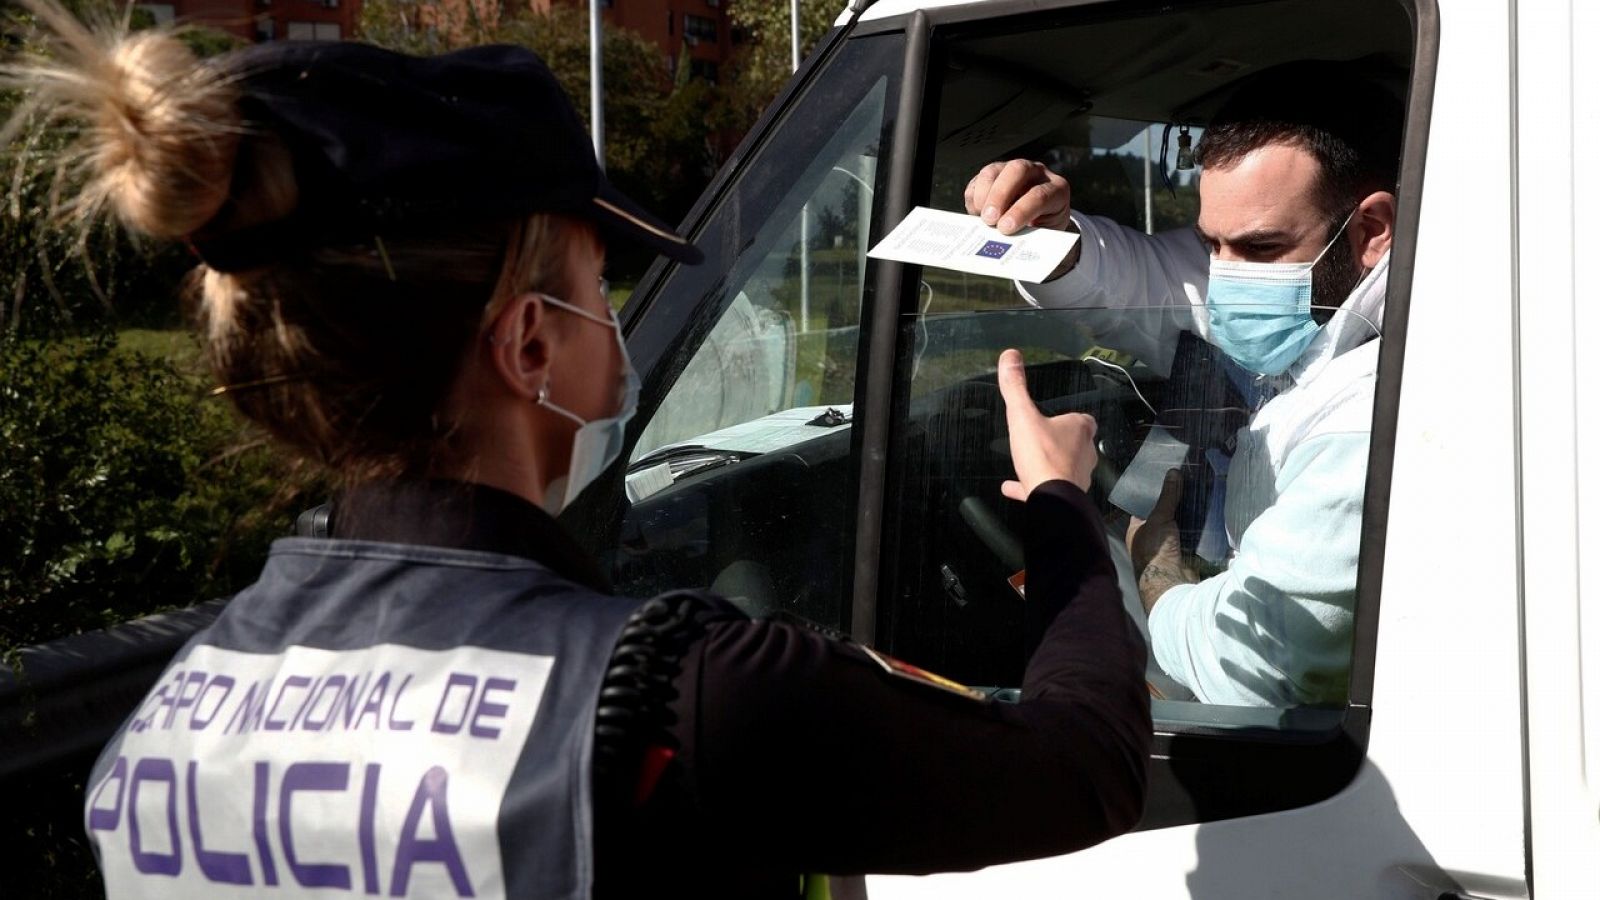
pixel 426 26
pixel 122 488
pixel 635 72
pixel 637 83
pixel 656 126
pixel 764 60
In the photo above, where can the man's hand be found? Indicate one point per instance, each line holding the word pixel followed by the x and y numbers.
pixel 1043 448
pixel 1153 544
pixel 1010 195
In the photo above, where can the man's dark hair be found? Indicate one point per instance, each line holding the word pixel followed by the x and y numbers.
pixel 1348 122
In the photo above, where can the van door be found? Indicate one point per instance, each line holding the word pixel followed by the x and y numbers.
pixel 1355 800
pixel 817 433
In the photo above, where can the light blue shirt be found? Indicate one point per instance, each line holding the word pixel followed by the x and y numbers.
pixel 1274 628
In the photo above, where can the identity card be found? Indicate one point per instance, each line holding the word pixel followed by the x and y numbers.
pixel 947 240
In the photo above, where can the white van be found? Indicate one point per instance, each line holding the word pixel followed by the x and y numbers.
pixel 819 432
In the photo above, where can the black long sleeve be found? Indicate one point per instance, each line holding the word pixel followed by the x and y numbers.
pixel 798 753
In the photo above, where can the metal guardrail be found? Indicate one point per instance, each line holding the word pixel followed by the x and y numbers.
pixel 67 697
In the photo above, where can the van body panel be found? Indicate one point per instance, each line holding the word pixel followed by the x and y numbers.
pixel 1558 106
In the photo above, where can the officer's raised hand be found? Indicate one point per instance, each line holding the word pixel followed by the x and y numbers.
pixel 1011 195
pixel 1043 448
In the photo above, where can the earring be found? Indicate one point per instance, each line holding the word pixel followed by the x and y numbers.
pixel 544 393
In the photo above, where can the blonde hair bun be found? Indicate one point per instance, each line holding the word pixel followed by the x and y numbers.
pixel 158 130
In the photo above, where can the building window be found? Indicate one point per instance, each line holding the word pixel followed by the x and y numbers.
pixel 703 69
pixel 699 28
pixel 266 28
pixel 313 31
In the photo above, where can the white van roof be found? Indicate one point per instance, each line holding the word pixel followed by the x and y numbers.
pixel 884 9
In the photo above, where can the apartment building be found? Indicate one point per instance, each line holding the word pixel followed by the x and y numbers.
pixel 695 33
pixel 265 20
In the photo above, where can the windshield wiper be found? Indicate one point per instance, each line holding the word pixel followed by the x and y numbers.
pixel 685 459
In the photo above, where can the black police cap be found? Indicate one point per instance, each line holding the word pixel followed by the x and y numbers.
pixel 383 142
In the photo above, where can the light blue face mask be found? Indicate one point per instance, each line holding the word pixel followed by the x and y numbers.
pixel 598 443
pixel 1261 312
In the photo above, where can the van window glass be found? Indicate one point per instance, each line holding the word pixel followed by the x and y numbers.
pixel 1255 628
pixel 789 336
pixel 745 449
pixel 1241 520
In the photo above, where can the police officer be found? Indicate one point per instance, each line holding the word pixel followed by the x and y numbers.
pixel 399 281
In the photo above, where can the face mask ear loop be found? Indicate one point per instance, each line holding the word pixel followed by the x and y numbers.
pixel 1370 324
pixel 1335 239
pixel 575 310
pixel 543 399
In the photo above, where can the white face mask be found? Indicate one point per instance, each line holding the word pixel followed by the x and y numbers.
pixel 598 443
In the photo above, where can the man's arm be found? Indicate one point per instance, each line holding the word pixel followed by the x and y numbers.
pixel 1160 576
pixel 1274 629
pixel 1149 285
pixel 1155 548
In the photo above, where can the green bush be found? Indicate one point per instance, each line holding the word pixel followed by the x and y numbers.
pixel 124 488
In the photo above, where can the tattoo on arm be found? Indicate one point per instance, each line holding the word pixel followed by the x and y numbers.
pixel 1157 578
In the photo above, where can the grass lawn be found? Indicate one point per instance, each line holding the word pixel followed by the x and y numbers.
pixel 180 346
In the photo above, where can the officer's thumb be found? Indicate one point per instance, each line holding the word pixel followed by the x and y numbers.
pixel 1014 390
pixel 1171 492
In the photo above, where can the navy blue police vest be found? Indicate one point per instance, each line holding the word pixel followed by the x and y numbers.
pixel 367 719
